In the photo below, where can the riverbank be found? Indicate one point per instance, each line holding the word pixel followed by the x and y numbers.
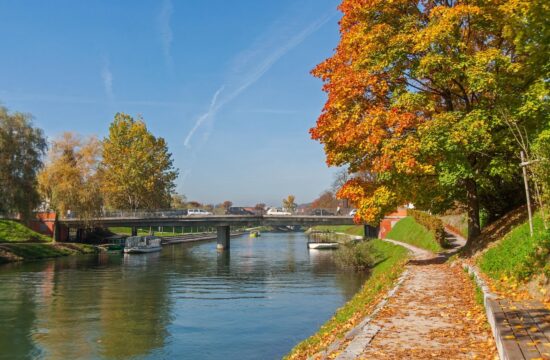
pixel 12 252
pixel 383 276
pixel 14 231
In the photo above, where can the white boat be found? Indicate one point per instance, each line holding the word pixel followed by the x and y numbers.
pixel 142 244
pixel 322 245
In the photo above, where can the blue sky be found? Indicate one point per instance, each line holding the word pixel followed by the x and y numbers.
pixel 226 83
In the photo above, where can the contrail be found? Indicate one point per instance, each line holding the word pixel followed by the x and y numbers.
pixel 212 109
pixel 107 78
pixel 166 35
pixel 254 75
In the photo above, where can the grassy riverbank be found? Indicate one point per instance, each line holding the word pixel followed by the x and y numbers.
pixel 409 231
pixel 13 231
pixel 383 276
pixel 10 252
pixel 19 243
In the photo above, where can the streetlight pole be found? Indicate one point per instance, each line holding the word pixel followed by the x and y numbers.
pixel 524 165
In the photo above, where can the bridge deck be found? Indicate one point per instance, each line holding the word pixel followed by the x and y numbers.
pixel 216 220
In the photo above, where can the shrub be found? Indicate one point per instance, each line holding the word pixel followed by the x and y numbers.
pixel 432 223
pixel 355 255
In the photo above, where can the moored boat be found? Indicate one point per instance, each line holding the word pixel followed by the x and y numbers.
pixel 254 234
pixel 142 244
pixel 322 245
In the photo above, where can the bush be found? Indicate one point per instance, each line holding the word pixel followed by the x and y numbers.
pixel 432 223
pixel 355 255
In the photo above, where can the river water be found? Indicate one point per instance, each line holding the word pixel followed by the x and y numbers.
pixel 255 301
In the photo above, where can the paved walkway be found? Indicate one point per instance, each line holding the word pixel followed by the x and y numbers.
pixel 433 314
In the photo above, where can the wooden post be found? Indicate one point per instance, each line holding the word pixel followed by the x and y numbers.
pixel 525 180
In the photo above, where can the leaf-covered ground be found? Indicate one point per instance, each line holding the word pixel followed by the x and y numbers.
pixel 434 315
pixel 381 279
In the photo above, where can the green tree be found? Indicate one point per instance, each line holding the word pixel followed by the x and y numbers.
pixel 137 169
pixel 289 203
pixel 69 183
pixel 21 149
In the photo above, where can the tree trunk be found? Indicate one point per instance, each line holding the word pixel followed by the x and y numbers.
pixel 55 228
pixel 474 228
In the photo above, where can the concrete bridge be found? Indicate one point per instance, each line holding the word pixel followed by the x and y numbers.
pixel 223 223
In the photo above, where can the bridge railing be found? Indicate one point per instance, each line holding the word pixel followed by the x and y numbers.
pixel 324 211
pixel 175 213
pixel 139 214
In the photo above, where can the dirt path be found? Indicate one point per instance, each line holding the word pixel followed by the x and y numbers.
pixel 433 315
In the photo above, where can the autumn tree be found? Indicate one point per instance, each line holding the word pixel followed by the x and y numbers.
pixel 178 201
pixel 289 203
pixel 21 149
pixel 415 91
pixel 137 169
pixel 70 182
pixel 227 204
pixel 326 200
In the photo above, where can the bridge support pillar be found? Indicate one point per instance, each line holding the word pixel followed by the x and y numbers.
pixel 223 237
pixel 134 231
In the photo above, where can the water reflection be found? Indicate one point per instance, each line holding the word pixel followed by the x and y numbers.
pixel 262 297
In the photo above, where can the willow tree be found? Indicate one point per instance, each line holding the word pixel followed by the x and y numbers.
pixel 414 92
pixel 137 169
pixel 21 149
pixel 69 183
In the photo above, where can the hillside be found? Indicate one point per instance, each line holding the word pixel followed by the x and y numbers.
pixel 409 231
pixel 13 231
pixel 514 262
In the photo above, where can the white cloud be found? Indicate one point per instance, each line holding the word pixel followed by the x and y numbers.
pixel 165 28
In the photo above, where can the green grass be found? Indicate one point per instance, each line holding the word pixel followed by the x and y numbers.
pixel 346 229
pixel 409 231
pixel 382 277
pixel 479 293
pixel 13 231
pixel 28 252
pixel 518 255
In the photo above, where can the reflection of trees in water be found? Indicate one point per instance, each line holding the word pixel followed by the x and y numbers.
pixel 134 310
pixel 17 318
pixel 348 281
pixel 65 312
pixel 81 311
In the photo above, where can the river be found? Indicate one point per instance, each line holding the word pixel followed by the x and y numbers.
pixel 255 301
